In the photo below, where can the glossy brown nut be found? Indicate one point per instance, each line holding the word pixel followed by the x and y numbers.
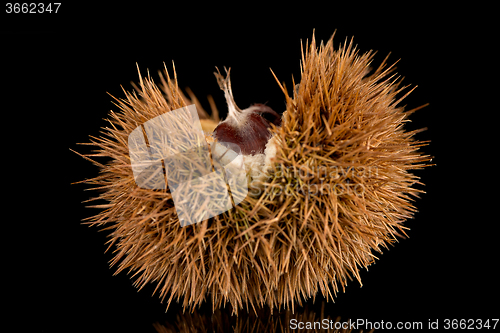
pixel 252 132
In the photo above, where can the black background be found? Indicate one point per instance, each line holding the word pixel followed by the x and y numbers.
pixel 57 69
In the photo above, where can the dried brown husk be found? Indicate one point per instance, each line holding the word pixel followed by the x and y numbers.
pixel 342 129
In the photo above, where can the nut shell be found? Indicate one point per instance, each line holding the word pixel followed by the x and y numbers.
pixel 251 133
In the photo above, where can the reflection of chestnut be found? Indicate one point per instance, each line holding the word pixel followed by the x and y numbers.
pixel 248 128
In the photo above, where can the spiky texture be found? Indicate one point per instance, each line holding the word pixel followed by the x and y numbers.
pixel 342 137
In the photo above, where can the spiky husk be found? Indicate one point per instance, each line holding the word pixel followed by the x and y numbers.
pixel 342 138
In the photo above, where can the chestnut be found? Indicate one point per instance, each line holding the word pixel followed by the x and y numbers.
pixel 248 128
